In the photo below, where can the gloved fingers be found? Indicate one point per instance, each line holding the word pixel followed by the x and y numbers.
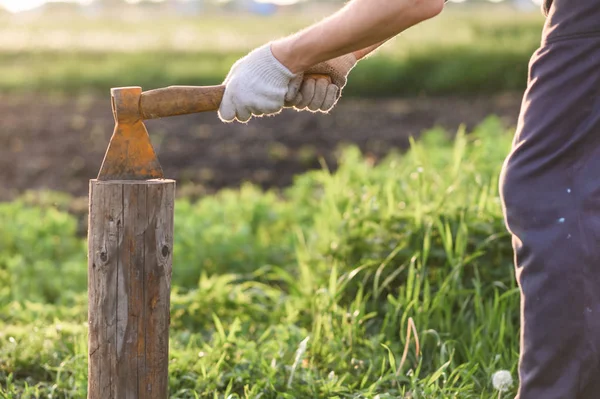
pixel 227 108
pixel 307 91
pixel 256 85
pixel 264 108
pixel 330 98
pixel 295 101
pixel 243 115
pixel 319 96
pixel 229 111
pixel 294 87
pixel 337 77
pixel 242 108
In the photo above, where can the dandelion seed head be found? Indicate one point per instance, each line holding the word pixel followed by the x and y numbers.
pixel 502 380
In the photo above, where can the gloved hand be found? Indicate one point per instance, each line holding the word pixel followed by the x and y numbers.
pixel 257 84
pixel 320 94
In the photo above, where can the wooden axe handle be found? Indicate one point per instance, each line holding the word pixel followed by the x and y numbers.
pixel 180 100
pixel 183 100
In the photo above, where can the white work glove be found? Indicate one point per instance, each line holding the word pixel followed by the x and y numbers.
pixel 256 85
pixel 321 94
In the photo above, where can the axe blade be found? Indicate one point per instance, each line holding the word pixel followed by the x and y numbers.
pixel 130 155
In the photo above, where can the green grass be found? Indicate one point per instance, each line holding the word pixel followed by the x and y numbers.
pixel 306 293
pixel 459 52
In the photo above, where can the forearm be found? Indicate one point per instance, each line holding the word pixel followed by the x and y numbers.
pixel 360 54
pixel 359 27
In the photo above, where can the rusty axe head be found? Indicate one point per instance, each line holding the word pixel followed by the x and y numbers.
pixel 130 155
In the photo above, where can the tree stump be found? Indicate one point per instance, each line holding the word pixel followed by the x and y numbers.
pixel 130 245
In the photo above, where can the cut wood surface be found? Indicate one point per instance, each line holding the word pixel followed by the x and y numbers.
pixel 129 283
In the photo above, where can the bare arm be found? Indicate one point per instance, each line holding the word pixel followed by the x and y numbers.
pixel 360 54
pixel 360 27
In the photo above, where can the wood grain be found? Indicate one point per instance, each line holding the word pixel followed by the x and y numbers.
pixel 180 100
pixel 130 243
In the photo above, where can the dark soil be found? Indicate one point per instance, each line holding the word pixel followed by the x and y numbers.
pixel 59 143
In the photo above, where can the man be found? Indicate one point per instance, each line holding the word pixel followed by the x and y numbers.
pixel 550 183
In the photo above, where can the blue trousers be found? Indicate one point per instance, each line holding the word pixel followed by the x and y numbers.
pixel 550 189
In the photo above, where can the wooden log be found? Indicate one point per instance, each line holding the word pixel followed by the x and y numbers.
pixel 130 245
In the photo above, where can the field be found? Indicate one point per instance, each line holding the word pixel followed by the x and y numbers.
pixel 458 68
pixel 314 292
pixel 205 155
pixel 360 254
pixel 461 52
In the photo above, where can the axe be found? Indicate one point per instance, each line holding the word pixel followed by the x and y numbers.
pixel 130 155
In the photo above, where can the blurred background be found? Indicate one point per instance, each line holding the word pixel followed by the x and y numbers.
pixel 270 246
pixel 58 61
